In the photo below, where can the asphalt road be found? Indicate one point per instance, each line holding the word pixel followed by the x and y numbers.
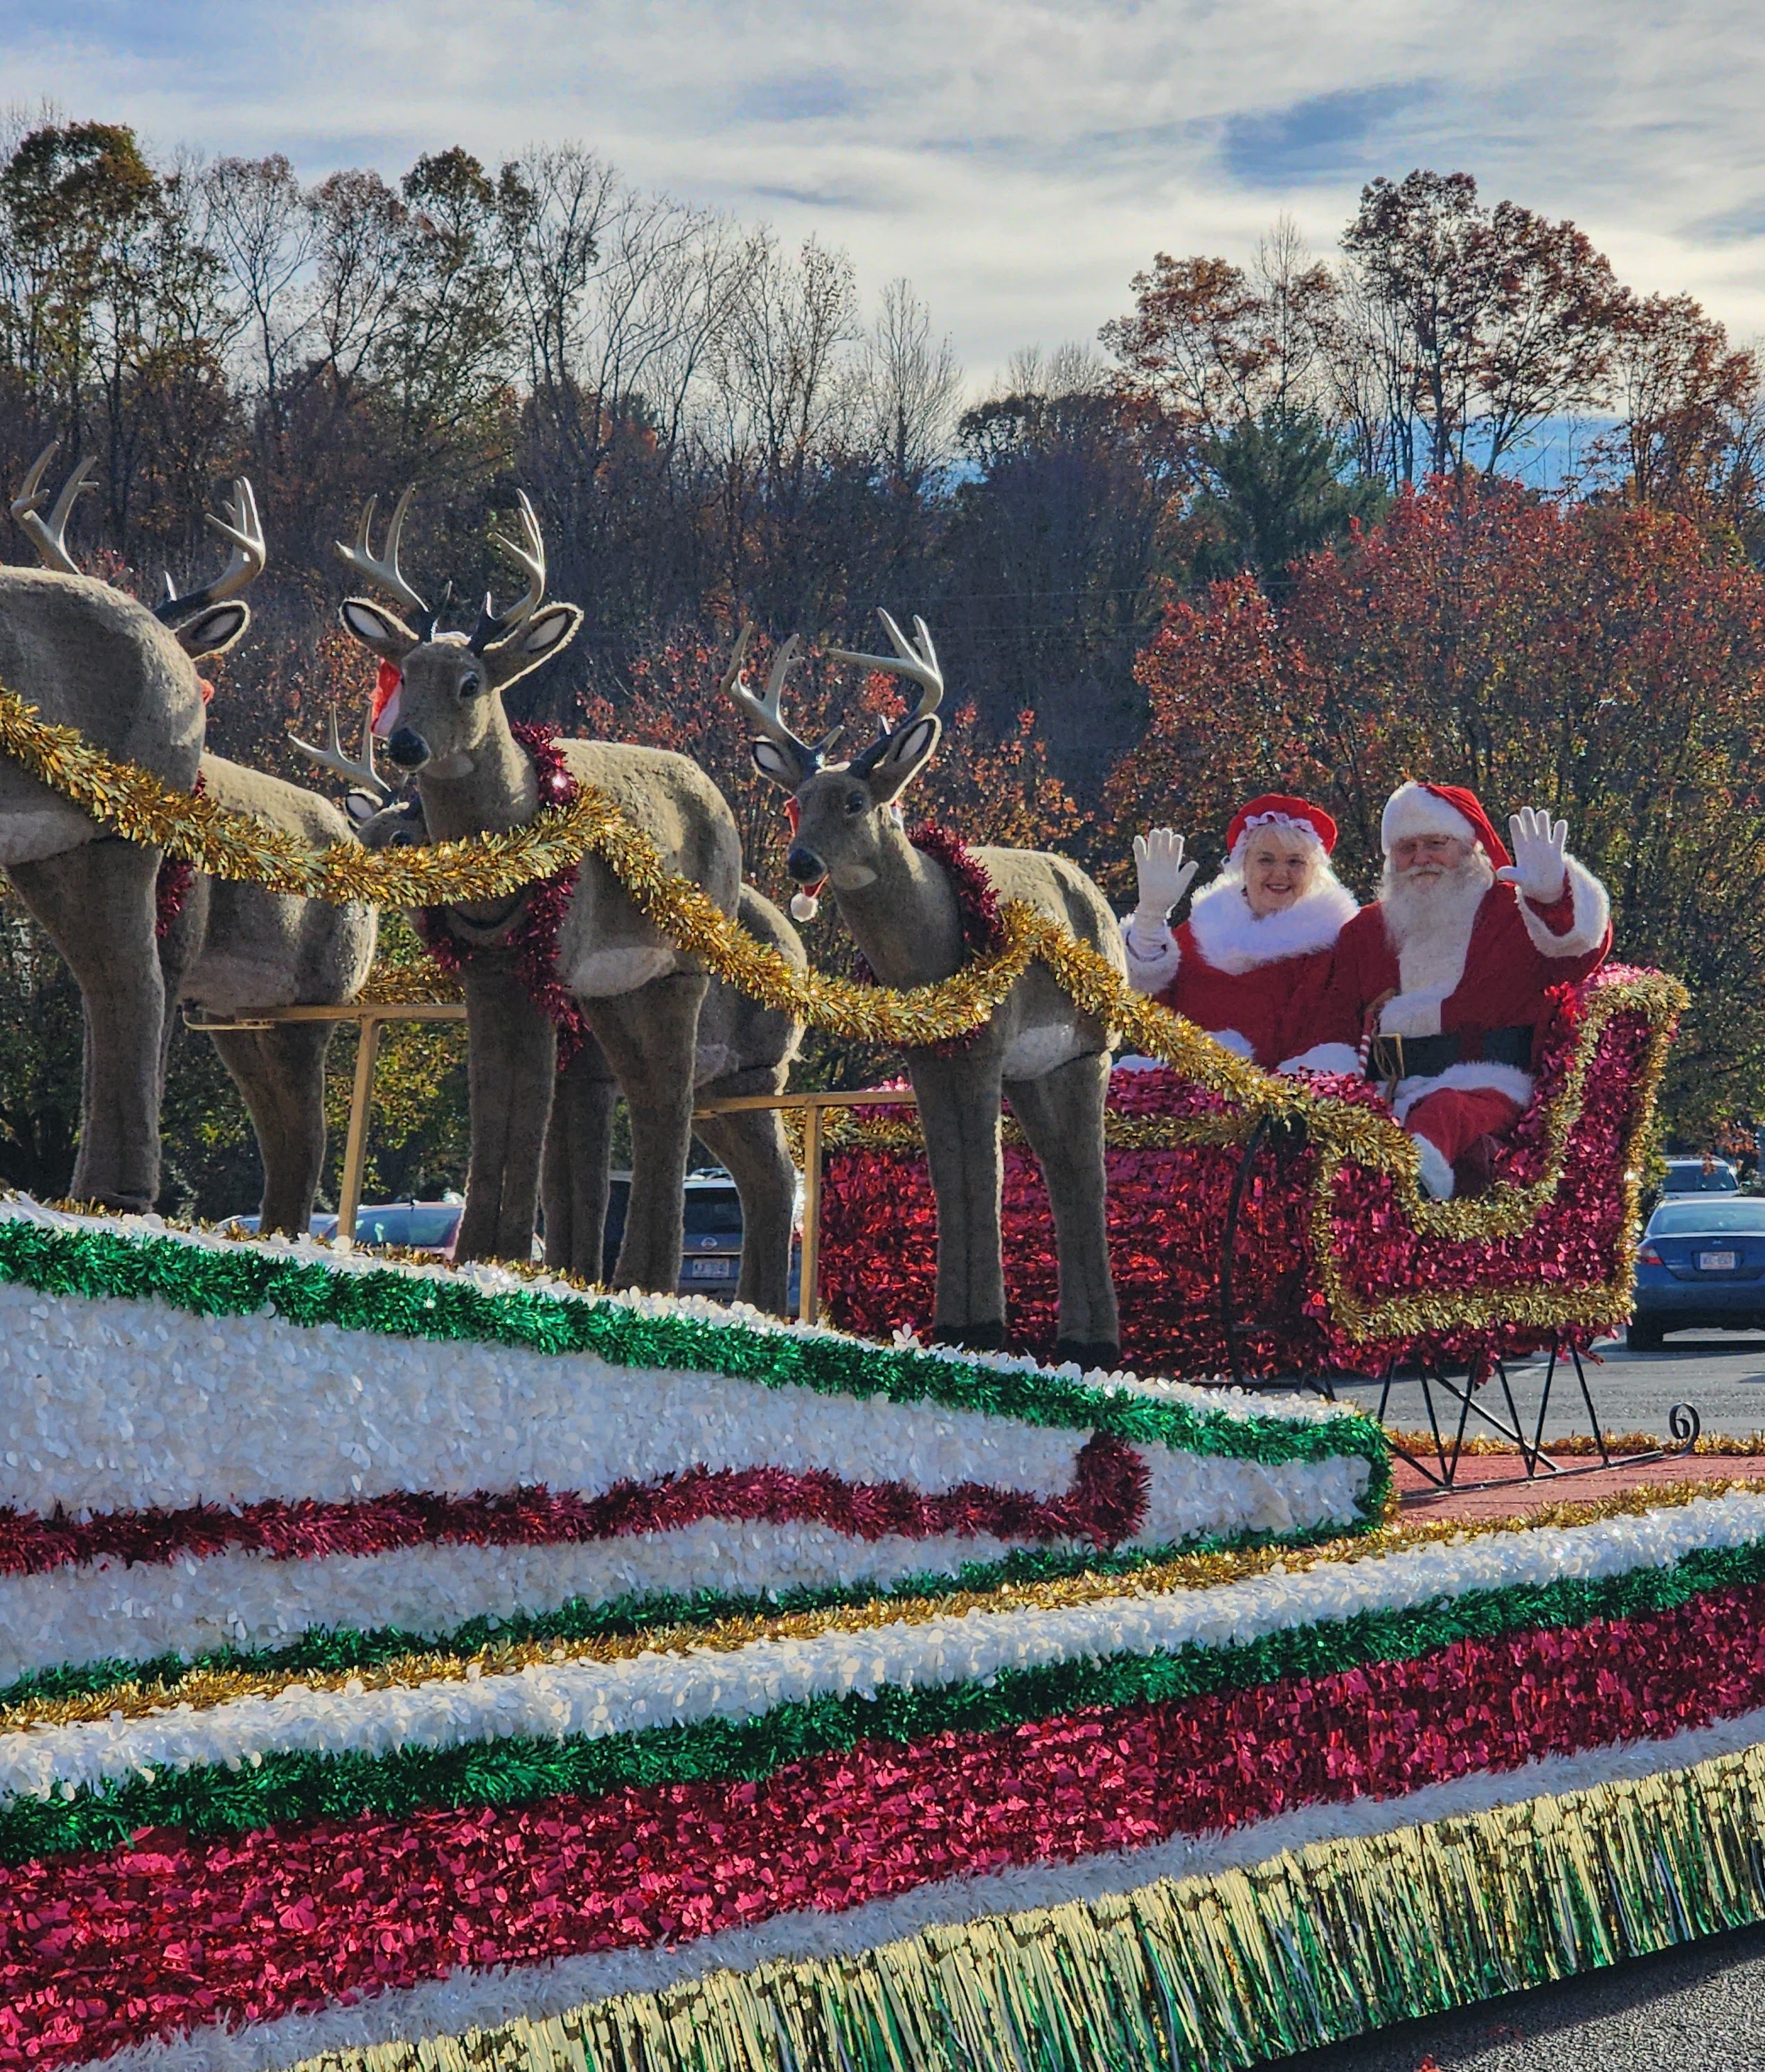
pixel 1698 2009
pixel 1722 1372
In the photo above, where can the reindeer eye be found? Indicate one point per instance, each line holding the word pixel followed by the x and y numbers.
pixel 471 684
pixel 856 801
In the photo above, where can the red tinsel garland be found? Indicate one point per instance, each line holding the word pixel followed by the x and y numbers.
pixel 1104 1506
pixel 977 910
pixel 1167 1213
pixel 533 934
pixel 171 887
pixel 170 1934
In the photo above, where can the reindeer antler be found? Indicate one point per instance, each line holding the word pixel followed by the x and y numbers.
pixel 360 770
pixel 915 658
pixel 529 556
pixel 766 712
pixel 383 569
pixel 244 530
pixel 49 537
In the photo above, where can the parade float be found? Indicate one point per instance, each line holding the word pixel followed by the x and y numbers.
pixel 408 1665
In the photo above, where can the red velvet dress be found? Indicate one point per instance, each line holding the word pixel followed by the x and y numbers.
pixel 1257 986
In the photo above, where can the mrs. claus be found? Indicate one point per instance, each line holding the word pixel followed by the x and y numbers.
pixel 1250 963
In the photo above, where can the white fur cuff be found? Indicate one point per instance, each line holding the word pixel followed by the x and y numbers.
pixel 1591 917
pixel 1152 954
pixel 1326 1058
pixel 1473 1075
pixel 1436 1174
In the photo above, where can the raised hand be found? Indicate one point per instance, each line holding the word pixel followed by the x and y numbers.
pixel 1164 876
pixel 1539 868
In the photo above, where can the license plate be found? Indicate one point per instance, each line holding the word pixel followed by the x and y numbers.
pixel 1716 1262
pixel 723 1269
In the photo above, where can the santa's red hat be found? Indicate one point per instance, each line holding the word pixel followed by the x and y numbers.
pixel 1440 809
pixel 1275 809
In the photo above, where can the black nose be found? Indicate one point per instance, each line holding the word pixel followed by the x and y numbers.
pixel 407 749
pixel 804 866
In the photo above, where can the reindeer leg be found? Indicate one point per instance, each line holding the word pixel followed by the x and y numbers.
pixel 280 1073
pixel 958 1116
pixel 578 1157
pixel 649 1037
pixel 752 1144
pixel 96 904
pixel 1061 1114
pixel 512 1063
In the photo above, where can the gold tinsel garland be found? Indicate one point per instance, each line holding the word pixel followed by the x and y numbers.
pixel 239 847
pixel 202 1689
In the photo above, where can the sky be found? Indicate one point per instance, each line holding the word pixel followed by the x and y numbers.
pixel 1018 160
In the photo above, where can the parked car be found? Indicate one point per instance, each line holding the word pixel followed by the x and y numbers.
pixel 1701 1265
pixel 419 1226
pixel 711 1258
pixel 322 1224
pixel 1688 1176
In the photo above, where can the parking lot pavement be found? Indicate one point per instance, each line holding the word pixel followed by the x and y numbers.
pixel 1722 1373
pixel 1698 2009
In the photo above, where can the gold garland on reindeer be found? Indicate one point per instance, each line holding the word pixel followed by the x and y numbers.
pixel 238 846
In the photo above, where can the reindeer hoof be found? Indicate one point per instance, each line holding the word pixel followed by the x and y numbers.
pixel 1088 1353
pixel 971 1338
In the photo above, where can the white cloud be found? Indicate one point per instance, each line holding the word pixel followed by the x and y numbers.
pixel 1019 159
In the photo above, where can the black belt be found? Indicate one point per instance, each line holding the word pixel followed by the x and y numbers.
pixel 1390 1059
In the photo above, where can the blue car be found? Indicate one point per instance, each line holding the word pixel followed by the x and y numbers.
pixel 1701 1266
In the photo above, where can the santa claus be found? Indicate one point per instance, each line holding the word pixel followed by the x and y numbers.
pixel 1438 988
pixel 1250 963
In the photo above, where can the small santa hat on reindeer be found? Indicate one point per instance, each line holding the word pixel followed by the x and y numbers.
pixel 1440 809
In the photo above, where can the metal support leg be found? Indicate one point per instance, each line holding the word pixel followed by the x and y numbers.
pixel 367 1050
pixel 808 1298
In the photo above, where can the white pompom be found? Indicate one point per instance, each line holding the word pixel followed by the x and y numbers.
pixel 804 906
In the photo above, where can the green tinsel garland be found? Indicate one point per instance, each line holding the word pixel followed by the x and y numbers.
pixel 239 1280
pixel 304 1786
pixel 337 1649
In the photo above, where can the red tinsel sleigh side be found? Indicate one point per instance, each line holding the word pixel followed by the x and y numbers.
pixel 1331 1276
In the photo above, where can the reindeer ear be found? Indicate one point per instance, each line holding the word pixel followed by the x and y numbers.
pixel 773 764
pixel 891 766
pixel 361 806
pixel 552 626
pixel 212 631
pixel 387 636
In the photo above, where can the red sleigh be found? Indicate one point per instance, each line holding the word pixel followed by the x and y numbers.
pixel 1249 1249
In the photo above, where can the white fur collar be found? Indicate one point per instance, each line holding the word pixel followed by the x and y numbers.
pixel 1232 939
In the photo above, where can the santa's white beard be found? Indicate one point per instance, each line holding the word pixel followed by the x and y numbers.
pixel 1417 906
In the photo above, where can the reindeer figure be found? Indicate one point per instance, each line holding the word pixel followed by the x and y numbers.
pixel 236 949
pixel 447 728
pixel 89 657
pixel 740 1048
pixel 1052 1060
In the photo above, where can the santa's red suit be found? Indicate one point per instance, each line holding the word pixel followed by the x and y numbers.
pixel 1255 983
pixel 1466 991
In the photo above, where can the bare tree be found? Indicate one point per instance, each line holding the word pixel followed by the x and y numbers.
pixel 257 218
pixel 912 384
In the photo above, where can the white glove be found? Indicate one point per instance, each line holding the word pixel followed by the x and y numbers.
pixel 1539 868
pixel 1164 876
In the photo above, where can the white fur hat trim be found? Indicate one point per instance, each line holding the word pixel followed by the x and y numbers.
pixel 1411 810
